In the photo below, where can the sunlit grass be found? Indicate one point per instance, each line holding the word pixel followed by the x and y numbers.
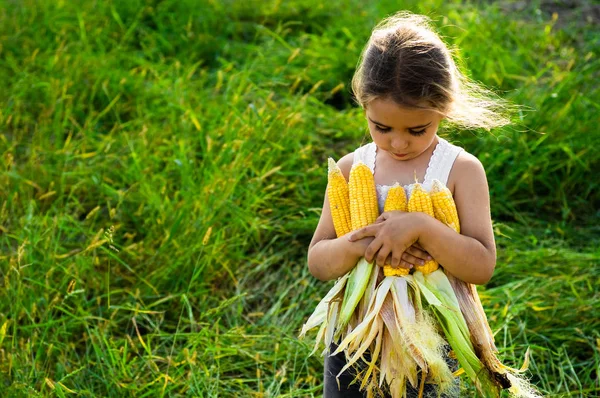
pixel 163 168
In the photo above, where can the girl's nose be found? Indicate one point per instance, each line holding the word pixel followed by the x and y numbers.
pixel 399 144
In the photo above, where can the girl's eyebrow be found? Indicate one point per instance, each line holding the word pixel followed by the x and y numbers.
pixel 410 128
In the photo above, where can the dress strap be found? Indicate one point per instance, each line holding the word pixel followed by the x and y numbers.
pixel 441 162
pixel 366 154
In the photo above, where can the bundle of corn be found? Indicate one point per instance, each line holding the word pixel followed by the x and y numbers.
pixel 353 206
pixel 398 325
pixel 404 335
pixel 484 367
pixel 391 320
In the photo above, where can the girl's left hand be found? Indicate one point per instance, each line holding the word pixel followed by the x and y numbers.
pixel 395 232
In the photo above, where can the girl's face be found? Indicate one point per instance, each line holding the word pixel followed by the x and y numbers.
pixel 403 133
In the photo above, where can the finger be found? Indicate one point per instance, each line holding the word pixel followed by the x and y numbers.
pixel 425 255
pixel 388 260
pixel 398 262
pixel 382 217
pixel 396 258
pixel 418 246
pixel 409 258
pixel 372 249
pixel 369 230
pixel 382 255
pixel 418 253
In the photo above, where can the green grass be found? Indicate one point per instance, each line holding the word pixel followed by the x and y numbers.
pixel 199 132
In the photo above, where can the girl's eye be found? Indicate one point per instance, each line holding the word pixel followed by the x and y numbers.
pixel 412 132
pixel 381 129
pixel 417 133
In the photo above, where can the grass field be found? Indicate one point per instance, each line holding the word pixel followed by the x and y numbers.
pixel 162 170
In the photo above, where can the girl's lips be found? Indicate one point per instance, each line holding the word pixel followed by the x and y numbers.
pixel 400 154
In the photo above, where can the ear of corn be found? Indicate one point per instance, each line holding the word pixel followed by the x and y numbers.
pixel 444 207
pixel 339 199
pixel 395 200
pixel 420 201
pixel 388 270
pixel 364 209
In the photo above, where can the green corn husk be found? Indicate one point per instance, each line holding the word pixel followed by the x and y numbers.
pixel 438 293
pixel 482 339
pixel 333 312
pixel 466 295
pixel 364 334
pixel 353 292
pixel 325 315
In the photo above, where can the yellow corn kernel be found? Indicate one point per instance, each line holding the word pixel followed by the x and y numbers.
pixel 420 201
pixel 444 207
pixel 388 270
pixel 428 267
pixel 363 196
pixel 339 199
pixel 395 200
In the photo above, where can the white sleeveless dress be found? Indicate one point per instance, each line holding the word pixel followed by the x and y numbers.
pixel 440 164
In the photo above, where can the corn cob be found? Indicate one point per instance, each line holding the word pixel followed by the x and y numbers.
pixel 339 199
pixel 364 209
pixel 395 200
pixel 444 207
pixel 420 201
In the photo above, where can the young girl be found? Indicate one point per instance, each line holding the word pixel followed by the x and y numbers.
pixel 408 84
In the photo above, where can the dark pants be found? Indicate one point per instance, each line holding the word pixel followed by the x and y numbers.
pixel 333 365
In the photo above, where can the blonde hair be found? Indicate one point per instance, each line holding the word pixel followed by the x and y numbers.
pixel 406 61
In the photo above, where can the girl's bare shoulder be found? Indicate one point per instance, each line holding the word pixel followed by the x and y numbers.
pixel 466 167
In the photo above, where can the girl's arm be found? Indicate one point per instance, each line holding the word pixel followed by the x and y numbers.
pixel 470 255
pixel 330 257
